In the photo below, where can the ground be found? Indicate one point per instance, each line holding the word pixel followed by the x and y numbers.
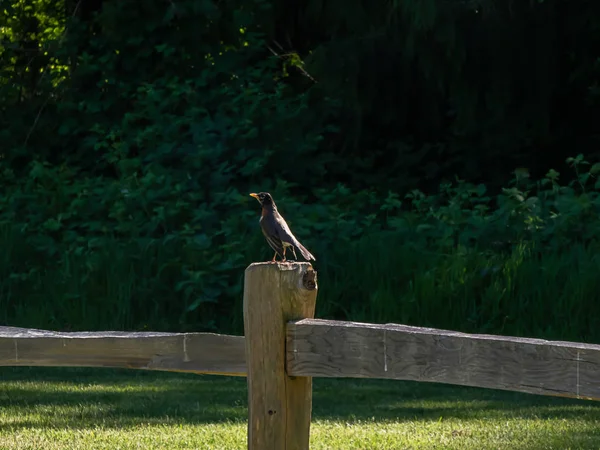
pixel 128 409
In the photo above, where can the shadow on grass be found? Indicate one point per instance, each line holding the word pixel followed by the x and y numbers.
pixel 84 398
pixel 404 400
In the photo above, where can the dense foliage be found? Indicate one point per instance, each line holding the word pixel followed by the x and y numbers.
pixel 132 132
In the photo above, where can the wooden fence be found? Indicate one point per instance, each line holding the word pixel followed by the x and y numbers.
pixel 284 347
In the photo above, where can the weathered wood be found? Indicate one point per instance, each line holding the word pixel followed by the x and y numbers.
pixel 322 348
pixel 279 406
pixel 178 352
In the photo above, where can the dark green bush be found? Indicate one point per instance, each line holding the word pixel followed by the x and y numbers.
pixel 521 263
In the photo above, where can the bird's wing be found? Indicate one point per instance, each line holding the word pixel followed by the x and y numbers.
pixel 270 230
pixel 283 230
pixel 286 235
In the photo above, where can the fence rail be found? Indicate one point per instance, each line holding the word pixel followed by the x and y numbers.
pixel 177 352
pixel 284 347
pixel 325 348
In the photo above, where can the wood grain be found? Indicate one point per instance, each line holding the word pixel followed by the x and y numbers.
pixel 322 348
pixel 279 407
pixel 178 352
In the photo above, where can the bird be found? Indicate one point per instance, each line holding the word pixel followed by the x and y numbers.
pixel 276 230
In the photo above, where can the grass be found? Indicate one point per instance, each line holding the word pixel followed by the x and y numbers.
pixel 378 278
pixel 552 295
pixel 120 409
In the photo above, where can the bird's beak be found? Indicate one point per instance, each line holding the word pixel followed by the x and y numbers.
pixel 255 196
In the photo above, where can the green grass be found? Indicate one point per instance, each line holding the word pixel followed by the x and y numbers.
pixel 378 278
pixel 552 295
pixel 120 409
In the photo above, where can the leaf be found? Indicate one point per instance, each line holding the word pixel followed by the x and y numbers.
pixel 199 301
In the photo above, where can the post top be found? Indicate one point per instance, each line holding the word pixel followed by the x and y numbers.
pixel 299 273
pixel 279 265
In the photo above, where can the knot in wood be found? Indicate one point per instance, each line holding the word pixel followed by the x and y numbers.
pixel 309 280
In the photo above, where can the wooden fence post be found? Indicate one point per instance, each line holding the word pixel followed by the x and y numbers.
pixel 279 407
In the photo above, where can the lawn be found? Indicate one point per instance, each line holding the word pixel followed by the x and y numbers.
pixel 122 409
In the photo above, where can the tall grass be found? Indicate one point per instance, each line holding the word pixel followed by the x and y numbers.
pixel 525 293
pixel 379 278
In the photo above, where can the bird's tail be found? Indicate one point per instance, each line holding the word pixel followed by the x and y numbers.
pixel 307 255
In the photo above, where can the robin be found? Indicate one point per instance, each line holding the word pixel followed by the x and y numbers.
pixel 276 230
